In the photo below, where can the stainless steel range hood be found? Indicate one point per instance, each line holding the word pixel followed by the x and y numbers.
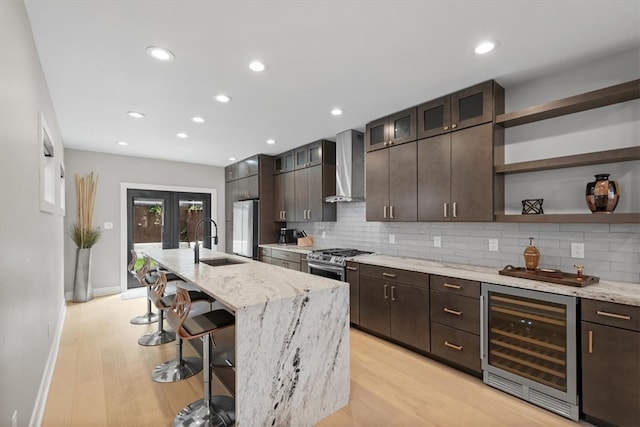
pixel 349 167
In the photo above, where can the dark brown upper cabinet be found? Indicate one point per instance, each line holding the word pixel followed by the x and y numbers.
pixel 284 162
pixel 242 169
pixel 315 153
pixel 231 172
pixel 468 107
pixel 391 180
pixel 395 129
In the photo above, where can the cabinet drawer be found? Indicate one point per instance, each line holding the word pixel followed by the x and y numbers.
pixel 461 348
pixel 612 314
pixel 467 288
pixel 394 275
pixel 264 253
pixel 285 255
pixel 456 311
pixel 291 265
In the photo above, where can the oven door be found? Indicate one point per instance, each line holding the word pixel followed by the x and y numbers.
pixel 330 271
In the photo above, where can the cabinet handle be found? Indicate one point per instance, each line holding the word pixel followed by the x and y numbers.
pixel 449 285
pixel 389 275
pixel 614 315
pixel 304 214
pixel 386 143
pixel 445 208
pixel 385 291
pixel 309 214
pixel 284 215
pixel 384 212
pixel 453 346
pixel 455 209
pixel 455 312
pixel 391 212
pixel 446 128
pixel 453 126
pixel 352 268
pixel 590 342
pixel 393 296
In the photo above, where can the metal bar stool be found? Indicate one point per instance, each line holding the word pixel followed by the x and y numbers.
pixel 211 411
pixel 179 368
pixel 149 317
pixel 160 336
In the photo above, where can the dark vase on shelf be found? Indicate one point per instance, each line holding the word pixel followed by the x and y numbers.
pixel 602 194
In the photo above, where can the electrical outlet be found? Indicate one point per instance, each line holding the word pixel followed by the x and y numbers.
pixel 493 245
pixel 324 234
pixel 392 238
pixel 577 250
pixel 108 225
pixel 14 419
pixel 437 241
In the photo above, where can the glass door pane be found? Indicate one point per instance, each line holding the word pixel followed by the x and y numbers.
pixel 190 211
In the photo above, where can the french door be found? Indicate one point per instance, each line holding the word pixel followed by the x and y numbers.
pixel 165 220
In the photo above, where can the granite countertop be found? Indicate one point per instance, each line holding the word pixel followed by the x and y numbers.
pixel 605 290
pixel 240 285
pixel 292 248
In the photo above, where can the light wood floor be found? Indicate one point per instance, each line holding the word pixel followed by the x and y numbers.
pixel 102 378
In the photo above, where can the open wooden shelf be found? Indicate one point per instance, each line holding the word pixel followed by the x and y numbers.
pixel 600 157
pixel 587 218
pixel 586 101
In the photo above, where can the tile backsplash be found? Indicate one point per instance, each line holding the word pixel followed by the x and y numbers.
pixel 611 251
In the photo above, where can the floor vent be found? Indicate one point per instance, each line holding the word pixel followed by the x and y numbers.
pixel 553 404
pixel 531 395
pixel 504 384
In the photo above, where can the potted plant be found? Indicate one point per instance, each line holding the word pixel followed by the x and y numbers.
pixel 84 235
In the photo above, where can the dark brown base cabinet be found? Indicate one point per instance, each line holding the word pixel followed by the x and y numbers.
pixel 353 278
pixel 610 363
pixel 455 321
pixel 395 303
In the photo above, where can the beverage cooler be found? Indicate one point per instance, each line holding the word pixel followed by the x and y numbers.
pixel 529 346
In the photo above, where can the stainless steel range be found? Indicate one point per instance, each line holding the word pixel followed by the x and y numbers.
pixel 331 263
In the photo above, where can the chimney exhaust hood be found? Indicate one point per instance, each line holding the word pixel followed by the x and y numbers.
pixel 349 167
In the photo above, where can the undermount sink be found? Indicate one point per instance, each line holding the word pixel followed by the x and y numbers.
pixel 217 262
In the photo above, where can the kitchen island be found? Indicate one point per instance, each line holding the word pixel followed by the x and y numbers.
pixel 291 336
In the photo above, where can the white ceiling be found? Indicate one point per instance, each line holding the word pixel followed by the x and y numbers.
pixel 370 58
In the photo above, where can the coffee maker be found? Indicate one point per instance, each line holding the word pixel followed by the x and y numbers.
pixel 287 236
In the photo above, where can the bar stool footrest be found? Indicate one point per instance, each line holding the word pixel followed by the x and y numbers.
pixel 157 338
pixel 221 413
pixel 174 370
pixel 145 319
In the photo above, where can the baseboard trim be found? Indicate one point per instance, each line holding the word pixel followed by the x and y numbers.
pixel 100 292
pixel 45 383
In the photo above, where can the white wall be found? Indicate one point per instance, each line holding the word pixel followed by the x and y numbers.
pixel 113 170
pixel 31 241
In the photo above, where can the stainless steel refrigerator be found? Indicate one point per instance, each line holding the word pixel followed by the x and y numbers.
pixel 245 228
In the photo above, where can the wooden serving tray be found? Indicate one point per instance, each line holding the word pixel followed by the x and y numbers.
pixel 548 275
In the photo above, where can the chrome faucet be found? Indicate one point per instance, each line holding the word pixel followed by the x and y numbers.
pixel 196 247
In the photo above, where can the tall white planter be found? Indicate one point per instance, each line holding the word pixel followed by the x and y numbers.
pixel 82 289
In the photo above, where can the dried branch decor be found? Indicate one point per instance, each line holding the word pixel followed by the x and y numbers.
pixel 82 232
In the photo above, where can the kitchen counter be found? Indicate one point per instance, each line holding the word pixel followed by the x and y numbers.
pixel 605 290
pixel 292 336
pixel 292 248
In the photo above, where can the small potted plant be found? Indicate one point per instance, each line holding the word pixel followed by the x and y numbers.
pixel 84 235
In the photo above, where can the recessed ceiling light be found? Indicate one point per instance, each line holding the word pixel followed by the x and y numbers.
pixel 182 135
pixel 337 111
pixel 257 66
pixel 486 47
pixel 135 114
pixel 271 141
pixel 197 119
pixel 123 143
pixel 233 159
pixel 223 98
pixel 161 54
